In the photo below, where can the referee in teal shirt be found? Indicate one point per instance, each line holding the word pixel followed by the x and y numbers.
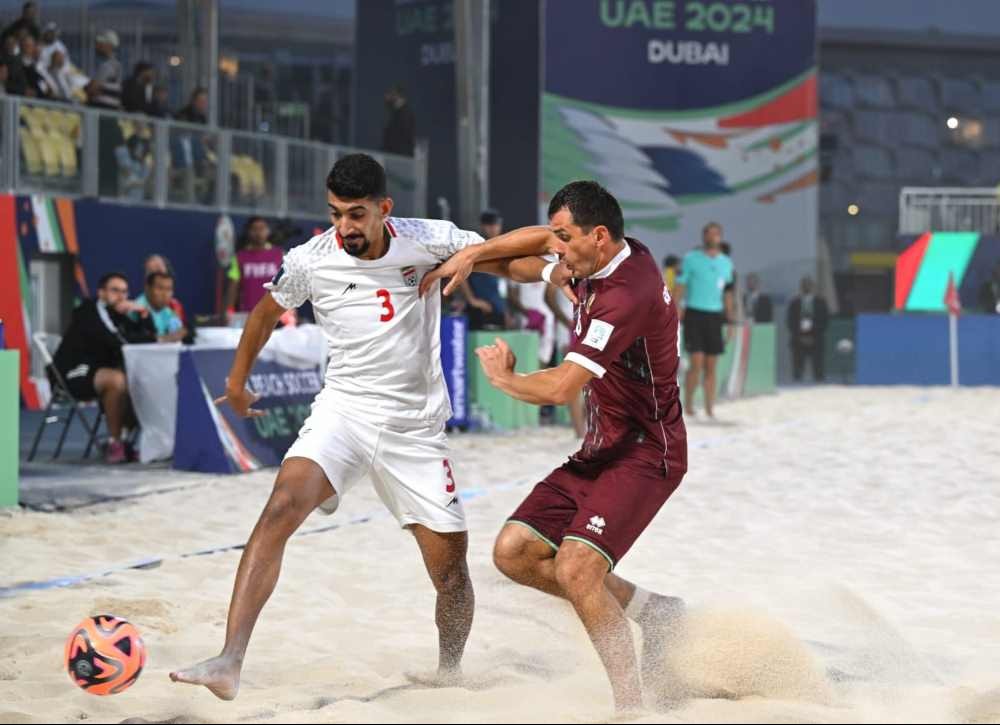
pixel 705 273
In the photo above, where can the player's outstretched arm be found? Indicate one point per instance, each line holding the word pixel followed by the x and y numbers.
pixel 260 324
pixel 523 242
pixel 531 269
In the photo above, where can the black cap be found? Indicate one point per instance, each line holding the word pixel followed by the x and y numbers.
pixel 490 216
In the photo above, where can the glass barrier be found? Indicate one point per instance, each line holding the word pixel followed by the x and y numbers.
pixel 49 139
pixel 308 166
pixel 72 150
pixel 193 168
pixel 252 172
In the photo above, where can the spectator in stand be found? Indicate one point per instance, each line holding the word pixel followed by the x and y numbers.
pixel 37 85
pixel 137 91
pixel 90 360
pixel 105 89
pixel 189 150
pixel 134 173
pixel 16 83
pixel 27 24
pixel 51 44
pixel 399 134
pixel 160 107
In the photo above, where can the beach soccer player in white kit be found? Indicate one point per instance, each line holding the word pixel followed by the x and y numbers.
pixel 383 407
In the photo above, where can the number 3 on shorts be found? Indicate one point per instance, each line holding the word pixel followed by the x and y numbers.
pixel 388 311
pixel 450 485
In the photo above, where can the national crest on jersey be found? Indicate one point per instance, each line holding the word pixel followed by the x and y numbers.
pixel 383 337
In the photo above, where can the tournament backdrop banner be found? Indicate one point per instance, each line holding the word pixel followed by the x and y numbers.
pixel 689 111
pixel 213 439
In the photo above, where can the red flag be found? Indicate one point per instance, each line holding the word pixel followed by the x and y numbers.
pixel 951 299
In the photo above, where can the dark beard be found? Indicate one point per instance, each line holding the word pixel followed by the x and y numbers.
pixel 357 251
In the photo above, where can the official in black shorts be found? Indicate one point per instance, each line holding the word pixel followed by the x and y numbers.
pixel 703 332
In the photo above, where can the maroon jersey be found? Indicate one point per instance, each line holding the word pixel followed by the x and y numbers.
pixel 627 336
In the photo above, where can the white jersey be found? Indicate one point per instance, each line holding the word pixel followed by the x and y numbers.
pixel 384 340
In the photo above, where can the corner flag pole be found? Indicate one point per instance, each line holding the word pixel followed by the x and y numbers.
pixel 954 305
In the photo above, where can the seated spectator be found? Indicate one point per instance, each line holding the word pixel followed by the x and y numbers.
pixel 90 360
pixel 160 107
pixel 137 91
pixel 159 263
pixel 156 298
pixel 196 111
pixel 133 171
pixel 189 151
pixel 16 83
pixel 256 262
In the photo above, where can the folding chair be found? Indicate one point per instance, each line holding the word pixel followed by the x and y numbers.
pixel 62 401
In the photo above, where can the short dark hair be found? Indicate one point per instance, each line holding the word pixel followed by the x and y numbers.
pixel 153 276
pixel 671 260
pixel 490 216
pixel 103 281
pixel 357 176
pixel 591 205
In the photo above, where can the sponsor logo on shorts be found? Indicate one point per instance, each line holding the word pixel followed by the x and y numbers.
pixel 596 525
pixel 410 276
pixel 349 287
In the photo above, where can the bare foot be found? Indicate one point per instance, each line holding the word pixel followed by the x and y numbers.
pixel 660 622
pixel 437 678
pixel 221 675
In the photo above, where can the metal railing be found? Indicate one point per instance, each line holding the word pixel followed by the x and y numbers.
pixel 949 209
pixel 77 151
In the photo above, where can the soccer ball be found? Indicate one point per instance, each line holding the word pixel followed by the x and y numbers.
pixel 104 655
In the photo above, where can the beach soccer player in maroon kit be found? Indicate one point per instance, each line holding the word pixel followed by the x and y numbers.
pixel 571 530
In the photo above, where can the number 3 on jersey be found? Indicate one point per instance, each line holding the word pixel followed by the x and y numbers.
pixel 388 311
pixel 449 485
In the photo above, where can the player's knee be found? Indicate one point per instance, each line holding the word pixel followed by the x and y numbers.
pixel 508 552
pixel 454 577
pixel 285 510
pixel 577 573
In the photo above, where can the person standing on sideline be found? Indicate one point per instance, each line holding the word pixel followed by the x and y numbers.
pixel 807 318
pixel 757 305
pixel 704 304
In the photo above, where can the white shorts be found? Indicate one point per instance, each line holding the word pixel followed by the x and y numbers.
pixel 409 467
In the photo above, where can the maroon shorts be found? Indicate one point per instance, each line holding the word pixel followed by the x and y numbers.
pixel 607 509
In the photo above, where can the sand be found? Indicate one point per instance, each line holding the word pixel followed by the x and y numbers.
pixel 838 548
